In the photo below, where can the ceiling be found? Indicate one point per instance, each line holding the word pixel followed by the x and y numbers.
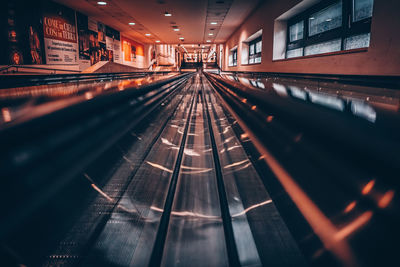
pixel 195 48
pixel 192 17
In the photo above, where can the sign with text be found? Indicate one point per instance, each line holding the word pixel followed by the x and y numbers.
pixel 60 52
pixel 60 36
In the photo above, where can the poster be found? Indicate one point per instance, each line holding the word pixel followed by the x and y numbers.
pixel 97 42
pixel 89 47
pixel 20 24
pixel 92 25
pixel 117 51
pixel 101 32
pixel 133 52
pixel 83 36
pixel 60 36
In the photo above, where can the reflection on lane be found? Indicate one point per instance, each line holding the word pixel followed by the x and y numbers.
pixel 6 114
pixel 128 236
pixel 236 164
pixel 158 166
pixel 195 234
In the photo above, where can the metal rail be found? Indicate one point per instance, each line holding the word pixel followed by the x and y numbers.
pixel 321 160
pixel 12 81
pixel 77 135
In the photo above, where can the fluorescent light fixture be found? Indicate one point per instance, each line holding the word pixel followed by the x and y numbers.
pixel 211 34
pixel 181 38
pixel 176 29
pixel 131 23
pixel 102 3
pixel 213 23
pixel 167 14
pixel 208 41
pixel 147 34
pixel 157 41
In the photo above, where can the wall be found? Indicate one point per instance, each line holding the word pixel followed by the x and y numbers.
pixel 46 33
pixel 382 57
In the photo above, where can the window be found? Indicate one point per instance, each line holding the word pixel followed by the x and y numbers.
pixel 362 9
pixel 330 26
pixel 233 58
pixel 295 52
pixel 296 31
pixel 326 19
pixel 255 48
pixel 357 41
pixel 325 47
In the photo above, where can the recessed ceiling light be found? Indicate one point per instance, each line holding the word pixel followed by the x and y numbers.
pixel 147 34
pixel 181 38
pixel 211 34
pixel 167 14
pixel 157 41
pixel 101 3
pixel 131 23
pixel 176 29
pixel 213 23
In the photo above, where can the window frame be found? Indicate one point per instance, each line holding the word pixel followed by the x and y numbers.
pixel 234 57
pixel 347 29
pixel 255 54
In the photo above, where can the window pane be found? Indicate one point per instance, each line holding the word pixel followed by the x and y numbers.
pixel 258 47
pixel 294 53
pixel 230 62
pixel 326 47
pixel 257 60
pixel 296 31
pixel 362 9
pixel 252 49
pixel 251 60
pixel 326 19
pixel 357 41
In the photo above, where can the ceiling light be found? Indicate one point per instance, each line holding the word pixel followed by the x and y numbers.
pixel 328 20
pixel 176 29
pixel 101 3
pixel 147 34
pixel 312 18
pixel 213 23
pixel 157 41
pixel 167 14
pixel 181 38
pixel 208 41
pixel 211 34
pixel 131 23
